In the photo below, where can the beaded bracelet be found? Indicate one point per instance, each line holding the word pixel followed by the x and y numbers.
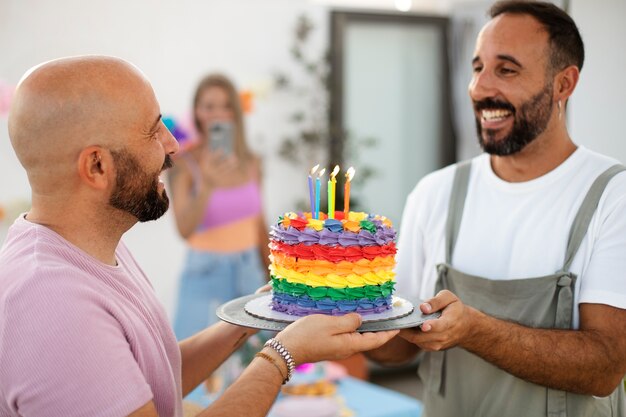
pixel 284 353
pixel 273 362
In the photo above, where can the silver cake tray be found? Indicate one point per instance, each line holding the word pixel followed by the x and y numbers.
pixel 261 308
pixel 254 311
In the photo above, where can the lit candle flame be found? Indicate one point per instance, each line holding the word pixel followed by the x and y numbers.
pixel 319 174
pixel 335 172
pixel 314 169
pixel 350 174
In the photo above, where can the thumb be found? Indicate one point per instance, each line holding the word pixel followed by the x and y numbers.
pixel 347 323
pixel 438 302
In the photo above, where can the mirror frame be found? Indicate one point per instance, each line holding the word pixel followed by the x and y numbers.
pixel 339 21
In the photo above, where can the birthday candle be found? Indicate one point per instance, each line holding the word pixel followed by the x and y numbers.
pixel 318 184
pixel 311 190
pixel 346 192
pixel 332 184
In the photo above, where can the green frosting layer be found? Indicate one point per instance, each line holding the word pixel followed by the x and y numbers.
pixel 370 292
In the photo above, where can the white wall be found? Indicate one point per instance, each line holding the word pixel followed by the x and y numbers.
pixel 598 106
pixel 174 43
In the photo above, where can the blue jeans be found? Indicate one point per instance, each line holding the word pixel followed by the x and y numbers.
pixel 210 279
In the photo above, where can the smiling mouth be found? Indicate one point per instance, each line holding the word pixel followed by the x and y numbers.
pixel 494 115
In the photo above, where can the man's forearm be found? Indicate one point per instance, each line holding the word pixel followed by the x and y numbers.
pixel 202 353
pixel 572 360
pixel 252 394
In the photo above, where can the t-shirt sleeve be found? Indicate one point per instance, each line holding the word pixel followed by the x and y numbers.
pixel 65 354
pixel 604 280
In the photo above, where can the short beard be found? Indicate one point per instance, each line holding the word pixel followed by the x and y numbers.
pixel 137 192
pixel 532 120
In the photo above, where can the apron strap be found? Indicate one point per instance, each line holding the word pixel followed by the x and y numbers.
pixel 460 185
pixel 556 400
pixel 455 207
pixel 586 212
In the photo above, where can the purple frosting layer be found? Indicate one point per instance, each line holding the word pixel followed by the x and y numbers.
pixel 304 306
pixel 326 237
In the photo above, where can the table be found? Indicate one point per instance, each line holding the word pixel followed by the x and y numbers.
pixel 363 398
pixel 370 400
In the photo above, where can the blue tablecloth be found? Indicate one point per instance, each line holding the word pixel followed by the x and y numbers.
pixel 363 398
pixel 369 400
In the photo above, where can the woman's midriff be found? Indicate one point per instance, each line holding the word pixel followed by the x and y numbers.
pixel 233 237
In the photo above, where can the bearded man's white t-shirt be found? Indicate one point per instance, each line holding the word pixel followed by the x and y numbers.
pixel 519 230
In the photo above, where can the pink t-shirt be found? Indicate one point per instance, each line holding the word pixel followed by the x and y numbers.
pixel 79 337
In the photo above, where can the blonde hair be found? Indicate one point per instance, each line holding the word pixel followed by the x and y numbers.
pixel 241 149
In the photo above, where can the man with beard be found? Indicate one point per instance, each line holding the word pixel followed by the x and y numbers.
pixel 522 249
pixel 81 331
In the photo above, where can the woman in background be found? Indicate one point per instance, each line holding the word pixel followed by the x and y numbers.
pixel 216 197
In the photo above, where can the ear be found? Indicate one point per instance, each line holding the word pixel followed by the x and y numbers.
pixel 95 167
pixel 565 83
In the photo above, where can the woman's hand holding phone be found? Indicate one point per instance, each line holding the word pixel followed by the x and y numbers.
pixel 219 170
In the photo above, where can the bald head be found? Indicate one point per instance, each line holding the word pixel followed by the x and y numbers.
pixel 63 106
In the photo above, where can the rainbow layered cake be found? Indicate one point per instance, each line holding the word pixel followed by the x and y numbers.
pixel 332 266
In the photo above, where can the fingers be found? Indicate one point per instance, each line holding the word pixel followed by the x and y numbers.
pixel 219 158
pixel 427 326
pixel 368 341
pixel 429 341
pixel 347 323
pixel 223 163
pixel 437 325
pixel 438 302
pixel 444 332
pixel 410 334
pixel 319 337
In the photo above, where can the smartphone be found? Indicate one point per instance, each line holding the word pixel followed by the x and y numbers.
pixel 221 137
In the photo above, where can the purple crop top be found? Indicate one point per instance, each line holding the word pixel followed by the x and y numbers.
pixel 227 205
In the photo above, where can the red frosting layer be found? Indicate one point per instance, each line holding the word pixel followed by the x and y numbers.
pixel 333 253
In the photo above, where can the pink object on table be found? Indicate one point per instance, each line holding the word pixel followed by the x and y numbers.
pixel 334 372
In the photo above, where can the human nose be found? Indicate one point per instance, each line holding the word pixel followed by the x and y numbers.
pixel 482 86
pixel 170 144
pixel 221 114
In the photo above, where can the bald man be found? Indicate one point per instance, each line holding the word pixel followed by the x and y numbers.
pixel 81 332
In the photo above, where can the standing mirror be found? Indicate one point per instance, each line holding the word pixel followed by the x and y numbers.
pixel 390 82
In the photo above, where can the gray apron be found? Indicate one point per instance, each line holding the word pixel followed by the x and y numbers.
pixel 459 383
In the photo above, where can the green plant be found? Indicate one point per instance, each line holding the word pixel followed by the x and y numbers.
pixel 311 136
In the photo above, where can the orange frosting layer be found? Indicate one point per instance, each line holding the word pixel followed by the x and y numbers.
pixel 343 268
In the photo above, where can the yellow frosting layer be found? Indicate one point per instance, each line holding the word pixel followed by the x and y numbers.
pixel 332 280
